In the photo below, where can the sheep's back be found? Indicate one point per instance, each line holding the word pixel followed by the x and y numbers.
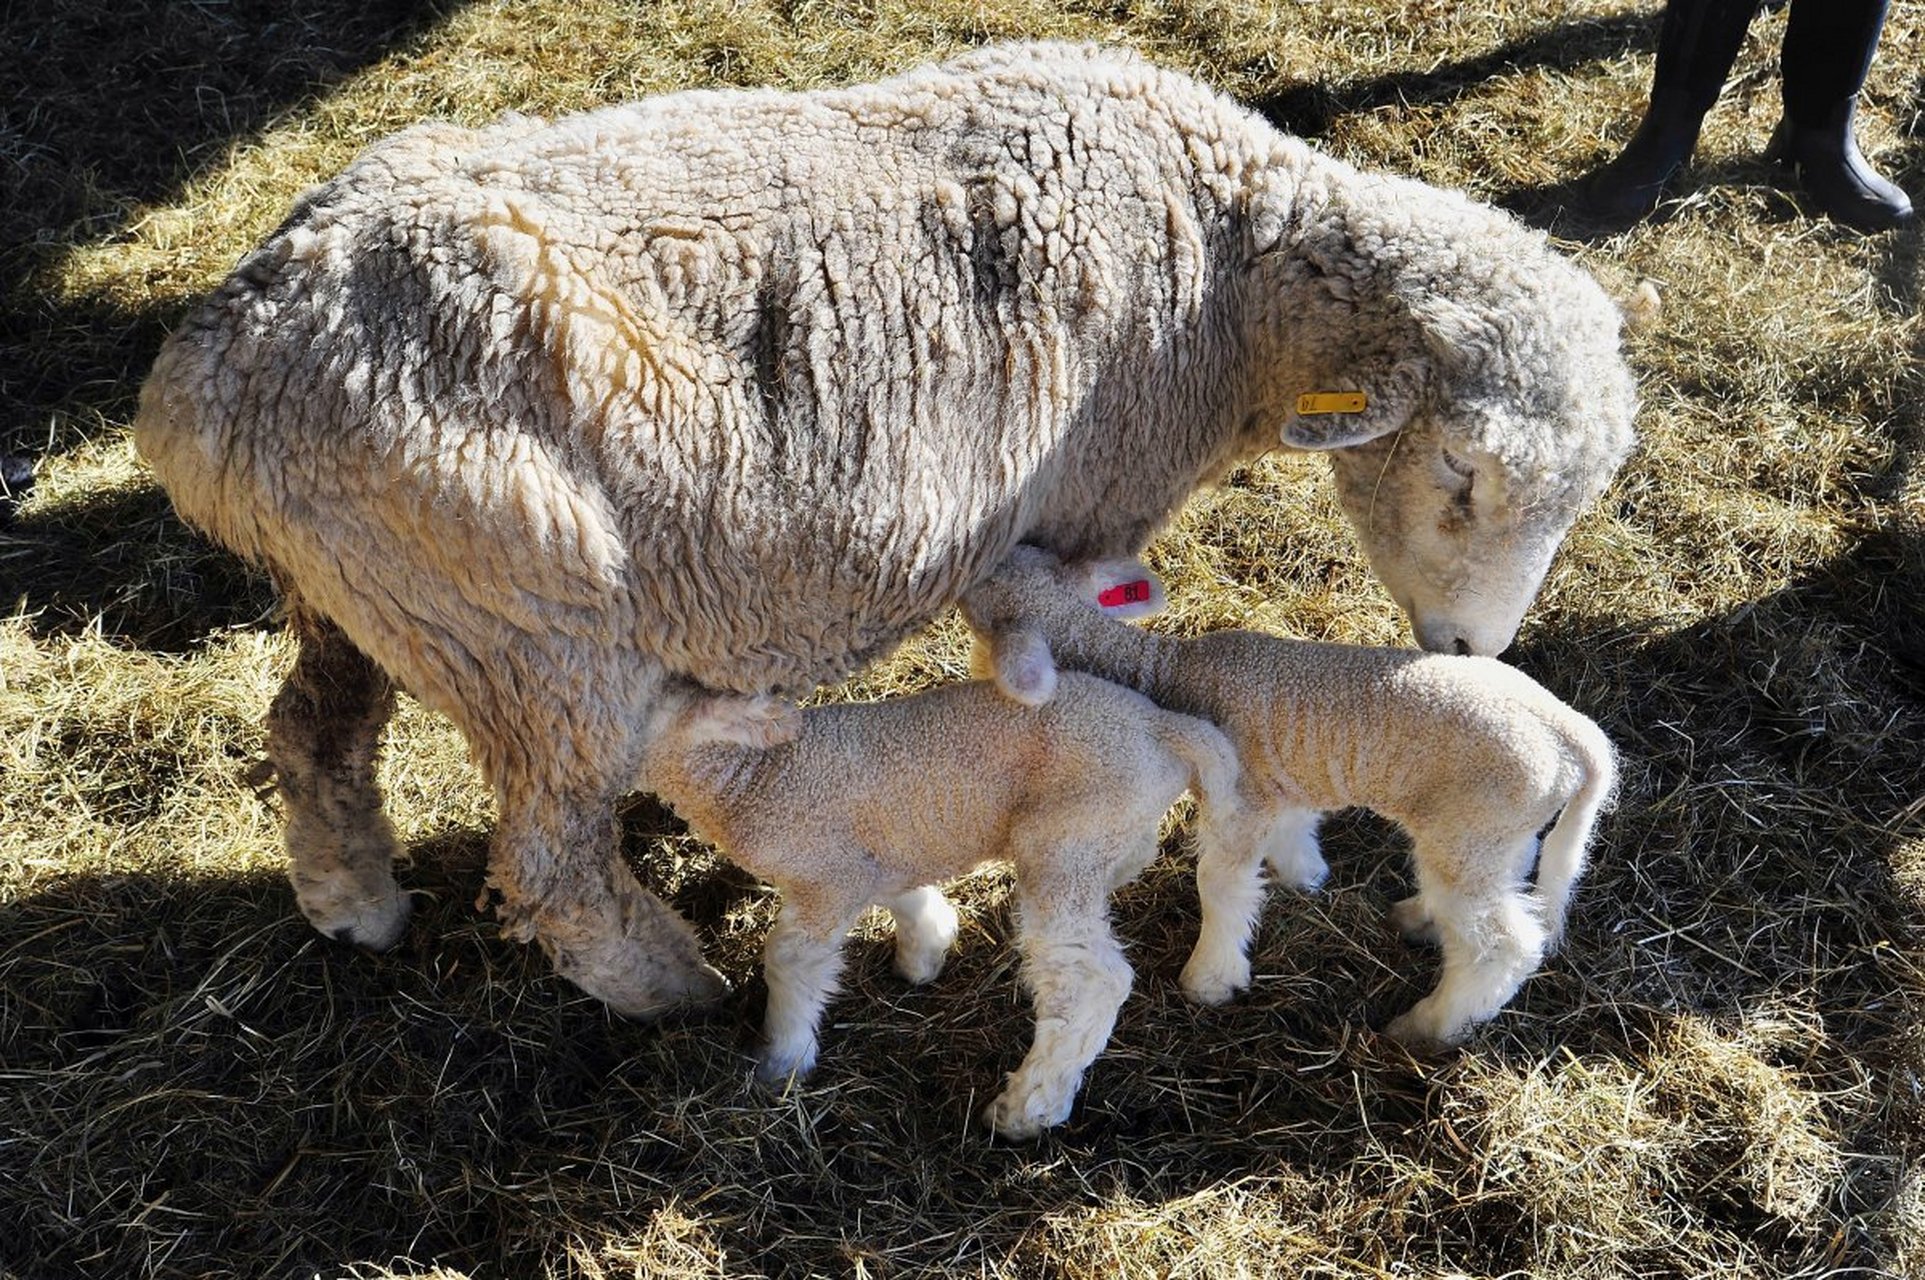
pixel 754 383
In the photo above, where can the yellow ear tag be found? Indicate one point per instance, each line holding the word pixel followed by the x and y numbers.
pixel 1314 402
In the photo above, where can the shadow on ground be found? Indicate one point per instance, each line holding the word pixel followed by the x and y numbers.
pixel 209 1078
pixel 109 108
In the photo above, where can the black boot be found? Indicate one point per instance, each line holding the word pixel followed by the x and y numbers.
pixel 1631 185
pixel 1697 42
pixel 1836 176
pixel 16 479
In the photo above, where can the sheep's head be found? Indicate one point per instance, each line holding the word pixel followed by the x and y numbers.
pixel 1462 488
pixel 1013 609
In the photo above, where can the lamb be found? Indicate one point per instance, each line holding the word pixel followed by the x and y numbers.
pixel 876 802
pixel 1471 756
pixel 743 387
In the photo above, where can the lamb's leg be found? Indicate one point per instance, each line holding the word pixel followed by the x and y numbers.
pixel 1291 848
pixel 1078 977
pixel 323 732
pixel 1412 918
pixel 1492 940
pixel 925 930
pixel 1229 883
pixel 556 862
pixel 801 961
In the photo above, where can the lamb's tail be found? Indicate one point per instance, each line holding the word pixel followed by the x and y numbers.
pixel 1561 860
pixel 1212 760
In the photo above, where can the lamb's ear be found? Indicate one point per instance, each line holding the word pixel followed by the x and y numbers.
pixel 1022 666
pixel 1640 308
pixel 1124 589
pixel 1361 409
pixel 761 721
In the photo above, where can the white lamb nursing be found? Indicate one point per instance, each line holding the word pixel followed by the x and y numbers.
pixel 878 802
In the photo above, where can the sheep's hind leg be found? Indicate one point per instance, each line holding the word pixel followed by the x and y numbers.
pixel 556 862
pixel 926 928
pixel 1075 970
pixel 801 962
pixel 323 733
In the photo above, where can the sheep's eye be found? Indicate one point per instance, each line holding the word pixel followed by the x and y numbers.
pixel 1457 465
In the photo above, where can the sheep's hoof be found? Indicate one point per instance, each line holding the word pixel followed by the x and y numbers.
pixel 373 922
pixel 1215 985
pixel 1413 920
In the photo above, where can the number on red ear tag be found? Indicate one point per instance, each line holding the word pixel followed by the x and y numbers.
pixel 1123 593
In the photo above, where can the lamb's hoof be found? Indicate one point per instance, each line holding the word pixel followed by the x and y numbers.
pixel 1215 985
pixel 373 921
pixel 1413 920
pixel 777 1067
pixel 1022 1116
pixel 1304 872
pixel 921 965
pixel 1420 1033
pixel 921 953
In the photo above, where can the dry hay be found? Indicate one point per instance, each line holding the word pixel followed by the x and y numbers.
pixel 1719 1076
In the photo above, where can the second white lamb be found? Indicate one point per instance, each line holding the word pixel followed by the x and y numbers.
pixel 1472 757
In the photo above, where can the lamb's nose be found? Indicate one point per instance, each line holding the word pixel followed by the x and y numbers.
pixel 1462 646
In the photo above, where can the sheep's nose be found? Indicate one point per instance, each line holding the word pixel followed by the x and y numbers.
pixel 1462 646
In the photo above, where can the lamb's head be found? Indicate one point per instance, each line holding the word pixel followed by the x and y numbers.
pixel 1488 448
pixel 1032 594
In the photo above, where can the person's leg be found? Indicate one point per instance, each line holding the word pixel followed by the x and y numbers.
pixel 1827 53
pixel 1697 44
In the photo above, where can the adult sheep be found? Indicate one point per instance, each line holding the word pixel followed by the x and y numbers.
pixel 544 421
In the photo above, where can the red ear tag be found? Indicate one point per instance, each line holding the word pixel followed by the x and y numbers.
pixel 1137 592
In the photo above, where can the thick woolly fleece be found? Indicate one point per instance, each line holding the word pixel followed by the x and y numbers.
pixel 878 802
pixel 747 386
pixel 1472 757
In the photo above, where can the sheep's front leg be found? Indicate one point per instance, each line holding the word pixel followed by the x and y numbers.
pixel 1076 973
pixel 323 732
pixel 926 928
pixel 556 861
pixel 801 961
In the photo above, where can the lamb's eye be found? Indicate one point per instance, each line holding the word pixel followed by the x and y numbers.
pixel 1456 465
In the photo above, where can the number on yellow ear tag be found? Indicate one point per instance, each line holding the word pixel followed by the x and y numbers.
pixel 1314 402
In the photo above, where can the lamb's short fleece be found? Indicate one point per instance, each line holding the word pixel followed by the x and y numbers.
pixel 1471 756
pixel 877 802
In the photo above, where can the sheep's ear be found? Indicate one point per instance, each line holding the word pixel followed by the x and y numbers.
pixel 1124 589
pixel 1356 410
pixel 1023 667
